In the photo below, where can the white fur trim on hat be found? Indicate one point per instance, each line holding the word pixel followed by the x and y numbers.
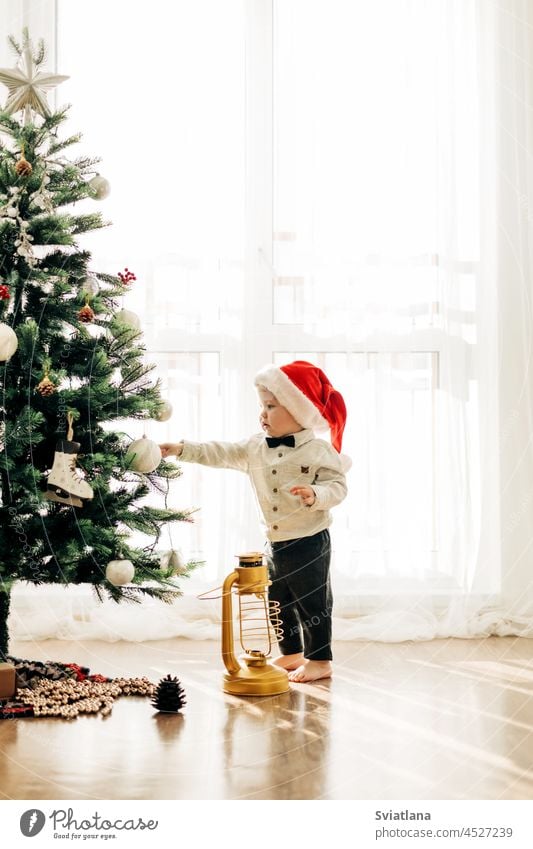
pixel 346 462
pixel 289 396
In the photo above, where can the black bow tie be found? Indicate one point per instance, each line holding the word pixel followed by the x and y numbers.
pixel 274 441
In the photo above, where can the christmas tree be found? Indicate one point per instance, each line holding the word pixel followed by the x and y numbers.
pixel 73 485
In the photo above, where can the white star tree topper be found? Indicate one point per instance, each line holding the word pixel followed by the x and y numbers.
pixel 27 85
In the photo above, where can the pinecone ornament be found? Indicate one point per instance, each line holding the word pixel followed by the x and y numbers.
pixel 169 696
pixel 23 167
pixel 86 314
pixel 46 387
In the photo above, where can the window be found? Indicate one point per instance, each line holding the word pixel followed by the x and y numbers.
pixel 304 184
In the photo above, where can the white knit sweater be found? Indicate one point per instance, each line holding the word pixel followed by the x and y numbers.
pixel 273 471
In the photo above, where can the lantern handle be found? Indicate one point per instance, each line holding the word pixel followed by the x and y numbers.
pixel 230 661
pixel 206 596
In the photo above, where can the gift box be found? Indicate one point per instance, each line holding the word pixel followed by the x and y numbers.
pixel 7 680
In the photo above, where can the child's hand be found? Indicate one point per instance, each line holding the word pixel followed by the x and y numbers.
pixel 306 494
pixel 170 448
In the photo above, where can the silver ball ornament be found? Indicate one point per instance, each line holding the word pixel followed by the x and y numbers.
pixel 130 318
pixel 100 186
pixel 91 286
pixel 164 413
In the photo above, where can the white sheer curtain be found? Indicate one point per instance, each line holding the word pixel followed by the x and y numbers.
pixel 383 229
pixel 385 234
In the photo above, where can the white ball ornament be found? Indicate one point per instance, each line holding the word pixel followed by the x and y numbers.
pixel 164 413
pixel 120 572
pixel 131 319
pixel 91 286
pixel 100 186
pixel 8 342
pixel 143 455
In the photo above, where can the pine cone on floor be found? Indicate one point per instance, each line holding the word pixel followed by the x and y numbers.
pixel 169 696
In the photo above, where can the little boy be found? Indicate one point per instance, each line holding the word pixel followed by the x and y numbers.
pixel 297 479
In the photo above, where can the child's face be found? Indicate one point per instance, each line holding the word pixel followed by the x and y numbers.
pixel 274 419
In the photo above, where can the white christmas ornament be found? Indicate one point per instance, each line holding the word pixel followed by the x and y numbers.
pixel 131 319
pixel 120 572
pixel 91 286
pixel 173 560
pixel 164 413
pixel 144 455
pixel 27 86
pixel 8 343
pixel 100 186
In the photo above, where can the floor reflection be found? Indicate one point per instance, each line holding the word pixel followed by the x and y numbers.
pixel 277 748
pixel 169 726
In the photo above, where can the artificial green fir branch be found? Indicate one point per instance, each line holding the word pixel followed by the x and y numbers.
pixel 84 223
pixel 135 594
pixel 52 230
pixel 158 484
pixel 134 373
pixel 74 263
pixel 55 119
pixel 112 280
pixel 8 124
pixel 61 144
pixel 148 519
pixel 167 596
pixel 86 163
pixel 21 433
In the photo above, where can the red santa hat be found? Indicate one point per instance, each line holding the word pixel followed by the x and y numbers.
pixel 305 391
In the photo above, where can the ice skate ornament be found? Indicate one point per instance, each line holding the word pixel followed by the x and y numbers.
pixel 64 484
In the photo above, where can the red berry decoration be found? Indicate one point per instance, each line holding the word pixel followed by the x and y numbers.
pixel 126 276
pixel 4 292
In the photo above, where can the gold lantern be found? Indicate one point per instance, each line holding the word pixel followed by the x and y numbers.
pixel 259 621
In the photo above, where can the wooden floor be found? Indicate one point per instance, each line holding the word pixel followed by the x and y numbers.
pixel 448 719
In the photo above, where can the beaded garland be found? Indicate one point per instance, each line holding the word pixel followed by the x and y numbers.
pixel 69 698
pixel 65 690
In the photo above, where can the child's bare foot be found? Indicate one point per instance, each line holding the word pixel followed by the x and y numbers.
pixel 289 661
pixel 311 670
